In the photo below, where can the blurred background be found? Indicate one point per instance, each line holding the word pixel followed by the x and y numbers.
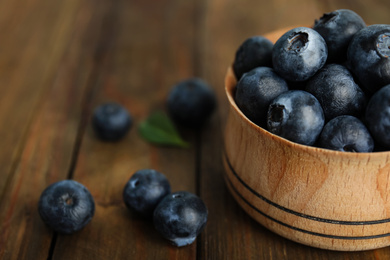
pixel 60 59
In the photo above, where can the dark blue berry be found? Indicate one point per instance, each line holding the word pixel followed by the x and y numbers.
pixel 254 52
pixel 66 206
pixel 337 28
pixel 255 91
pixel 111 121
pixel 368 57
pixel 191 102
pixel 297 116
pixel 299 54
pixel 346 134
pixel 337 92
pixel 145 189
pixel 180 217
pixel 378 116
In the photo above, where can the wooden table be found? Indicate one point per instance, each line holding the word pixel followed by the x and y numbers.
pixel 60 59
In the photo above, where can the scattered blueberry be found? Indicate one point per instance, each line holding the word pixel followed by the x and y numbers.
pixel 368 57
pixel 297 116
pixel 254 52
pixel 378 116
pixel 111 121
pixel 191 102
pixel 299 54
pixel 255 91
pixel 180 217
pixel 66 206
pixel 337 28
pixel 347 134
pixel 145 189
pixel 337 92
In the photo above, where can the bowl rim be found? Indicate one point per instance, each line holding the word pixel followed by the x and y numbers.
pixel 230 86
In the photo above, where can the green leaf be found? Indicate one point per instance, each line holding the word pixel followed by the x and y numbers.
pixel 159 129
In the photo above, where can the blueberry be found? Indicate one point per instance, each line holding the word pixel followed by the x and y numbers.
pixel 66 206
pixel 337 28
pixel 254 52
pixel 191 102
pixel 111 121
pixel 378 116
pixel 299 54
pixel 145 189
pixel 180 217
pixel 297 116
pixel 347 134
pixel 368 57
pixel 337 92
pixel 255 91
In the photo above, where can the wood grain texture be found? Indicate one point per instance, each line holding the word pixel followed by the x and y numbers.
pixel 29 59
pixel 59 59
pixel 257 241
pixel 323 198
pixel 142 63
pixel 50 140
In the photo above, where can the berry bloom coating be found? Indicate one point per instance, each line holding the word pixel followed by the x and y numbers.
pixel 145 189
pixel 255 91
pixel 180 217
pixel 299 54
pixel 368 57
pixel 337 92
pixel 297 116
pixel 66 206
pixel 346 134
pixel 191 102
pixel 337 28
pixel 378 116
pixel 111 121
pixel 254 52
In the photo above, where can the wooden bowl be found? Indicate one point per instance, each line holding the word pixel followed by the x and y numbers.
pixel 318 197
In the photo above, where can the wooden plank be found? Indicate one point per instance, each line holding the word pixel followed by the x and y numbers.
pixel 151 48
pixel 50 140
pixel 231 234
pixel 33 38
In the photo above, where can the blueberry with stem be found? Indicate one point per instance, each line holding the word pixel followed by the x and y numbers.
pixel 299 54
pixel 297 116
pixel 66 206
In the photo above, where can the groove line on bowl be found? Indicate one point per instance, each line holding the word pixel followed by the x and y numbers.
pixel 290 211
pixel 232 188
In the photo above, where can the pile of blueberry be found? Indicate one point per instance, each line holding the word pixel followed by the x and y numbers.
pixel 178 216
pixel 325 86
pixel 67 206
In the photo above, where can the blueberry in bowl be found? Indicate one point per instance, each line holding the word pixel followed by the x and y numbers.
pixel 144 190
pixel 255 91
pixel 297 116
pixel 254 52
pixel 66 206
pixel 378 116
pixel 368 57
pixel 299 54
pixel 311 195
pixel 191 102
pixel 180 217
pixel 337 28
pixel 336 90
pixel 111 121
pixel 347 134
